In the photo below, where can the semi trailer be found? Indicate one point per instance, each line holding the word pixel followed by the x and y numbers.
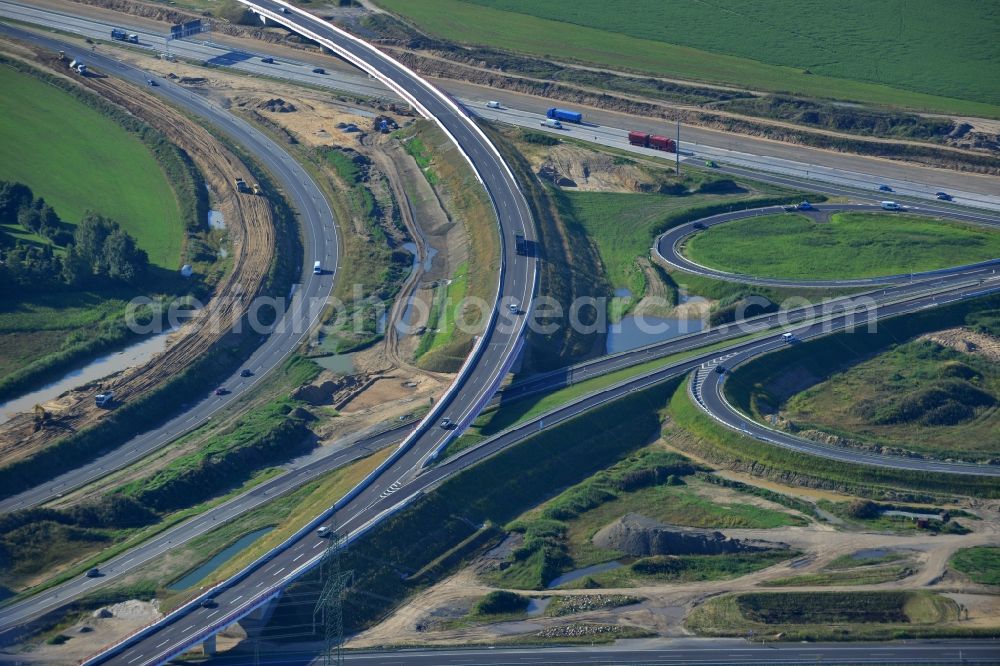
pixel 564 115
pixel 654 141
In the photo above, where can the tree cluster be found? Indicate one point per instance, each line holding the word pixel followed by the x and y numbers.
pixel 97 251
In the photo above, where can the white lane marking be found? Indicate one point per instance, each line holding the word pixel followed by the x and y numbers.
pixel 209 616
pixel 237 598
pixel 297 557
pixel 135 659
pixel 185 629
pixel 279 571
pixel 163 643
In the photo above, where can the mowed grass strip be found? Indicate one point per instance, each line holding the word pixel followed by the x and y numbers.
pixel 760 46
pixel 850 245
pixel 78 160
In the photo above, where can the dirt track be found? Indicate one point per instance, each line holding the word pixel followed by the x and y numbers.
pixel 251 235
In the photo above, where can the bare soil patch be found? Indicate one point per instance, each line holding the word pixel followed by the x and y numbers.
pixel 967 342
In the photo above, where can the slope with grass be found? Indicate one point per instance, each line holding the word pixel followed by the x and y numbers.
pixel 848 245
pixel 920 57
pixel 52 143
pixel 819 616
pixel 981 564
pixel 919 396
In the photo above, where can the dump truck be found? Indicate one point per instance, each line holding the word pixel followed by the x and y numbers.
pixel 654 141
pixel 241 186
pixel 103 400
pixel 120 35
pixel 520 245
pixel 564 114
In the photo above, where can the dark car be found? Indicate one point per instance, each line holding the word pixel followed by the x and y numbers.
pixel 884 188
pixel 943 196
pixel 151 83
pixel 246 372
pixel 269 60
pixel 94 573
pixel 698 225
pixel 447 423
pixel 805 205
pixel 789 209
pixel 319 70
pixel 721 369
pixel 221 391
pixel 208 603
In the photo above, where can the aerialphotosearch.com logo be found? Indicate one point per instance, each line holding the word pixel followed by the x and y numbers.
pixel 587 315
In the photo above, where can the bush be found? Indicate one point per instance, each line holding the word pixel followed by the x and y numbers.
pixel 499 602
pixel 863 509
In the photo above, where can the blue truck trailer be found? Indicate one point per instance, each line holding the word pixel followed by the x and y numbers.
pixel 564 115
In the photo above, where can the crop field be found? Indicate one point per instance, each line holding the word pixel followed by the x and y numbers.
pixel 53 144
pixel 849 245
pixel 919 396
pixel 920 56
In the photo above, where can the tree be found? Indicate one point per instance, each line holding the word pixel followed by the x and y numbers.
pixel 123 258
pixel 13 197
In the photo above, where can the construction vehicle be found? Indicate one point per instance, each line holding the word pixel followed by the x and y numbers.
pixel 120 35
pixel 257 189
pixel 654 141
pixel 103 400
pixel 520 245
pixel 241 186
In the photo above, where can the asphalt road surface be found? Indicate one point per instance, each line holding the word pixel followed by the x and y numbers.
pixel 657 652
pixel 668 247
pixel 319 239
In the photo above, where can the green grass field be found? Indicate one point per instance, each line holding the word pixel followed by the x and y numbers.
pixel 981 564
pixel 850 245
pixel 78 160
pixel 623 225
pixel 922 56
pixel 895 398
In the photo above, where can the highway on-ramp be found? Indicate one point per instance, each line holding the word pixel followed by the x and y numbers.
pixel 319 239
pixel 668 246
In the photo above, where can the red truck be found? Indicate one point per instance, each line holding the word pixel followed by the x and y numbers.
pixel 653 141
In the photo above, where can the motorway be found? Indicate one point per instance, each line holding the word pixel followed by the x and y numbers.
pixel 372 503
pixel 319 239
pixel 302 471
pixel 657 652
pixel 265 581
pixel 798 166
pixel 668 247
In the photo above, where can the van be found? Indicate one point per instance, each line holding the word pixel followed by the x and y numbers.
pixel 493 104
pixel 891 205
pixel 551 124
pixel 787 337
pixel 317 268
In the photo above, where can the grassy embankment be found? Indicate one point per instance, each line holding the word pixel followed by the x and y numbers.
pixel 570 265
pixel 445 346
pixel 437 532
pixel 371 271
pixel 55 134
pixel 761 48
pixel 870 388
pixel 655 483
pixel 40 541
pixel 849 245
pixel 981 564
pixel 823 616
